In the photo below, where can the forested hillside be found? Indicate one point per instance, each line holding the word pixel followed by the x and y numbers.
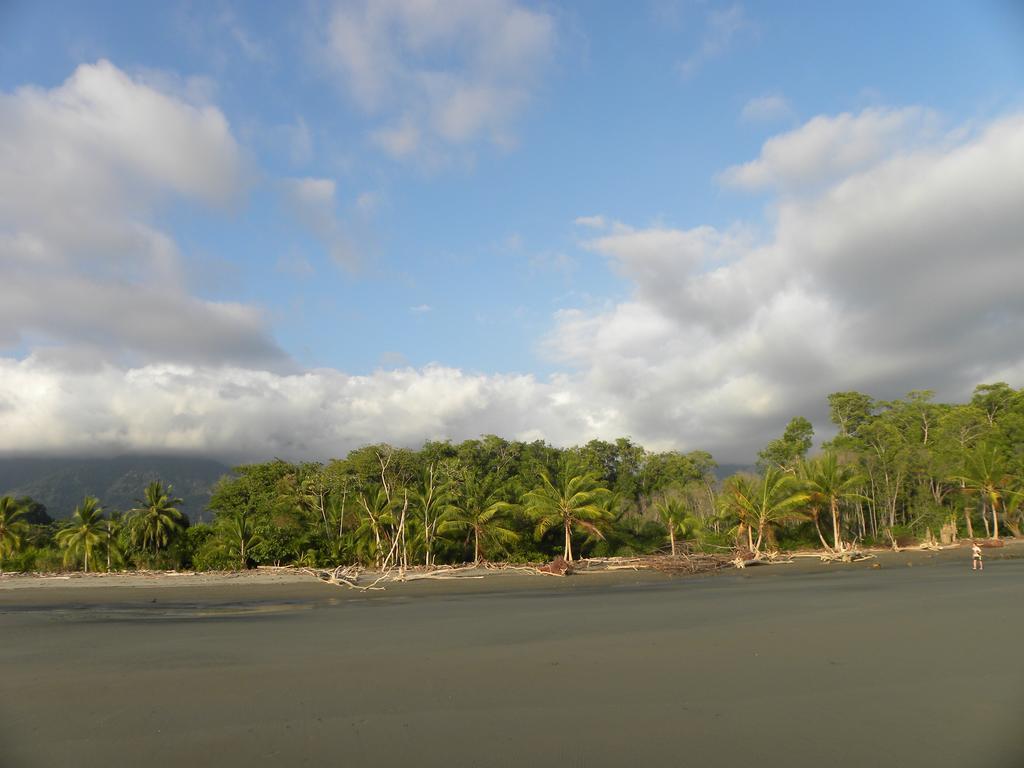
pixel 61 483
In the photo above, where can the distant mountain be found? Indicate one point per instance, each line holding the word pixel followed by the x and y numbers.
pixel 723 471
pixel 62 483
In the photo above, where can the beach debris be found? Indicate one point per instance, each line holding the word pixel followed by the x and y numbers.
pixel 892 540
pixel 848 554
pixel 557 567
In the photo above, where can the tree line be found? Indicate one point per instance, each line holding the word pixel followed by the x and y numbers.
pixel 896 470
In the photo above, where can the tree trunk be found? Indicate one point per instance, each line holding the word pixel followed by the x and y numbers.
pixel 984 519
pixel 568 544
pixel 835 525
pixel 426 537
pixel 967 519
pixel 821 536
pixel 672 538
pixel 995 521
pixel 476 546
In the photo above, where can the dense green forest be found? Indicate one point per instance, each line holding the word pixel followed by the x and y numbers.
pixel 898 470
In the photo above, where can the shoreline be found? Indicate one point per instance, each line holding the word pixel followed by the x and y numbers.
pixel 293 585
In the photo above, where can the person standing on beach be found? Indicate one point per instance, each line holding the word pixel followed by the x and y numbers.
pixel 977 564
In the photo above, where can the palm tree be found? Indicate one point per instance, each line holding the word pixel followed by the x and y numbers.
pixel 376 525
pixel 478 510
pixel 12 528
pixel 238 536
pixel 85 531
pixel 677 519
pixel 430 499
pixel 986 474
pixel 1013 510
pixel 828 484
pixel 572 501
pixel 762 502
pixel 157 519
pixel 112 527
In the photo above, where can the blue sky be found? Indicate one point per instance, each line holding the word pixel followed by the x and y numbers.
pixel 498 194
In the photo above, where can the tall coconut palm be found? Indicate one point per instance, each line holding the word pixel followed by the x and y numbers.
pixel 571 501
pixel 112 527
pixel 764 502
pixel 986 475
pixel 12 528
pixel 84 533
pixel 828 484
pixel 238 536
pixel 478 510
pixel 156 520
pixel 677 519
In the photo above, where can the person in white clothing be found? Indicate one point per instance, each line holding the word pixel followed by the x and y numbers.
pixel 977 564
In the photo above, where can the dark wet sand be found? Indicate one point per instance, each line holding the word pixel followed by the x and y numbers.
pixel 779 666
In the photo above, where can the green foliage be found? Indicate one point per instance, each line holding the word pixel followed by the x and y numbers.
pixel 570 502
pixel 763 503
pixel 83 535
pixel 12 528
pixel 787 451
pixel 478 510
pixel 156 521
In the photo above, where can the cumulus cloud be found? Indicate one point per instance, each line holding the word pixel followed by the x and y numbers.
pixel 905 274
pixel 897 267
pixel 83 169
pixel 439 73
pixel 829 147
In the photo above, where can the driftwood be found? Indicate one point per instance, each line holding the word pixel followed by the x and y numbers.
pixel 557 567
pixel 681 563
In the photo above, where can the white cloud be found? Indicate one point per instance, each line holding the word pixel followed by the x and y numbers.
pixel 83 168
pixel 766 109
pixel 439 73
pixel 830 147
pixel 241 413
pixel 903 275
pixel 420 309
pixel 313 202
pixel 721 28
pixel 896 267
pixel 591 222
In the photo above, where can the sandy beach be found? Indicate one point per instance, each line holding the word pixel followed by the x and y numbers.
pixel 909 663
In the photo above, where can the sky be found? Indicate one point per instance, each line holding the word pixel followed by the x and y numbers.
pixel 262 229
